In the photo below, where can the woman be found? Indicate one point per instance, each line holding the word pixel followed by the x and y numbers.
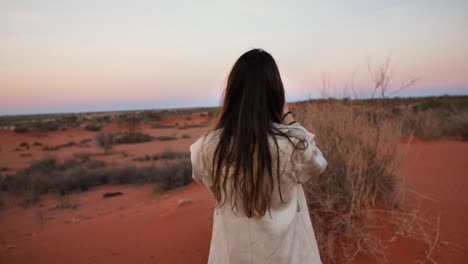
pixel 255 161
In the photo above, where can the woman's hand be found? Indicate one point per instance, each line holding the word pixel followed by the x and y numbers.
pixel 289 117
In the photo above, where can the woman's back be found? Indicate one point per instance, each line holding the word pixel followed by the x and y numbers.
pixel 284 234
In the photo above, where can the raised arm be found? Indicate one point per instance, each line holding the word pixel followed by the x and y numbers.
pixel 310 161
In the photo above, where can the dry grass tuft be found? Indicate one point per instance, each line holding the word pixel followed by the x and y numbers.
pixel 359 195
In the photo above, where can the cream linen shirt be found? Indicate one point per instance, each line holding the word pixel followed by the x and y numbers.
pixel 285 235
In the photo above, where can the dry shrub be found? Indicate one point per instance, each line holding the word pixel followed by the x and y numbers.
pixel 93 127
pixel 165 138
pixel 167 154
pixel 58 147
pixel 159 125
pixel 132 136
pixel 106 141
pixel 49 175
pixel 436 124
pixel 188 126
pixel 360 144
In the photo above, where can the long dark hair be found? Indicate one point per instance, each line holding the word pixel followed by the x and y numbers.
pixel 253 99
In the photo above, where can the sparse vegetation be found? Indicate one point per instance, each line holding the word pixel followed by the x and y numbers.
pixel 187 126
pixel 358 187
pixel 45 126
pixel 93 127
pixel 146 157
pixel 149 115
pixel 58 147
pixel 21 129
pixel 83 156
pixel 165 138
pixel 357 181
pixel 132 137
pixel 131 118
pixel 437 118
pixel 158 125
pixel 103 119
pixel 85 141
pixel 105 141
pixel 111 194
pixel 165 155
pixel 359 193
pixel 50 175
pixel 65 203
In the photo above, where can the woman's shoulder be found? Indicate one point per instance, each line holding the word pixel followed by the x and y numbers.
pixel 205 139
pixel 209 139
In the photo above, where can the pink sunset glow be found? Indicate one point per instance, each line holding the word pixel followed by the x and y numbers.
pixel 87 56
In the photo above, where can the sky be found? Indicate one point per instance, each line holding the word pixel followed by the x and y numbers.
pixel 73 56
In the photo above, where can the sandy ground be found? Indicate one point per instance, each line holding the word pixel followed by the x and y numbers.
pixel 439 170
pixel 175 227
pixel 13 157
pixel 148 228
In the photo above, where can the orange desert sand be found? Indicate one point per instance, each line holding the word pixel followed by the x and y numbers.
pixel 143 226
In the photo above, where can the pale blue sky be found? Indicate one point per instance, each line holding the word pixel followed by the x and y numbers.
pixel 60 56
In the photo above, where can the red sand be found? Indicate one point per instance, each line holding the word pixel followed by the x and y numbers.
pixel 13 157
pixel 144 227
pixel 158 231
pixel 439 170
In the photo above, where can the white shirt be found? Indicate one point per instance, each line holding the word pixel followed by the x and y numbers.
pixel 284 236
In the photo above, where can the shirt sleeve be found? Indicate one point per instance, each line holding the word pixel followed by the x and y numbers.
pixel 196 157
pixel 310 161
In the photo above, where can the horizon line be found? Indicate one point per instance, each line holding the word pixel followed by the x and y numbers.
pixel 215 106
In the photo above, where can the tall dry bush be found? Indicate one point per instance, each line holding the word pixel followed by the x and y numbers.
pixel 359 195
pixel 361 148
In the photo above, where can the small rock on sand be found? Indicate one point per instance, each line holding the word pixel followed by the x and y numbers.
pixel 183 202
